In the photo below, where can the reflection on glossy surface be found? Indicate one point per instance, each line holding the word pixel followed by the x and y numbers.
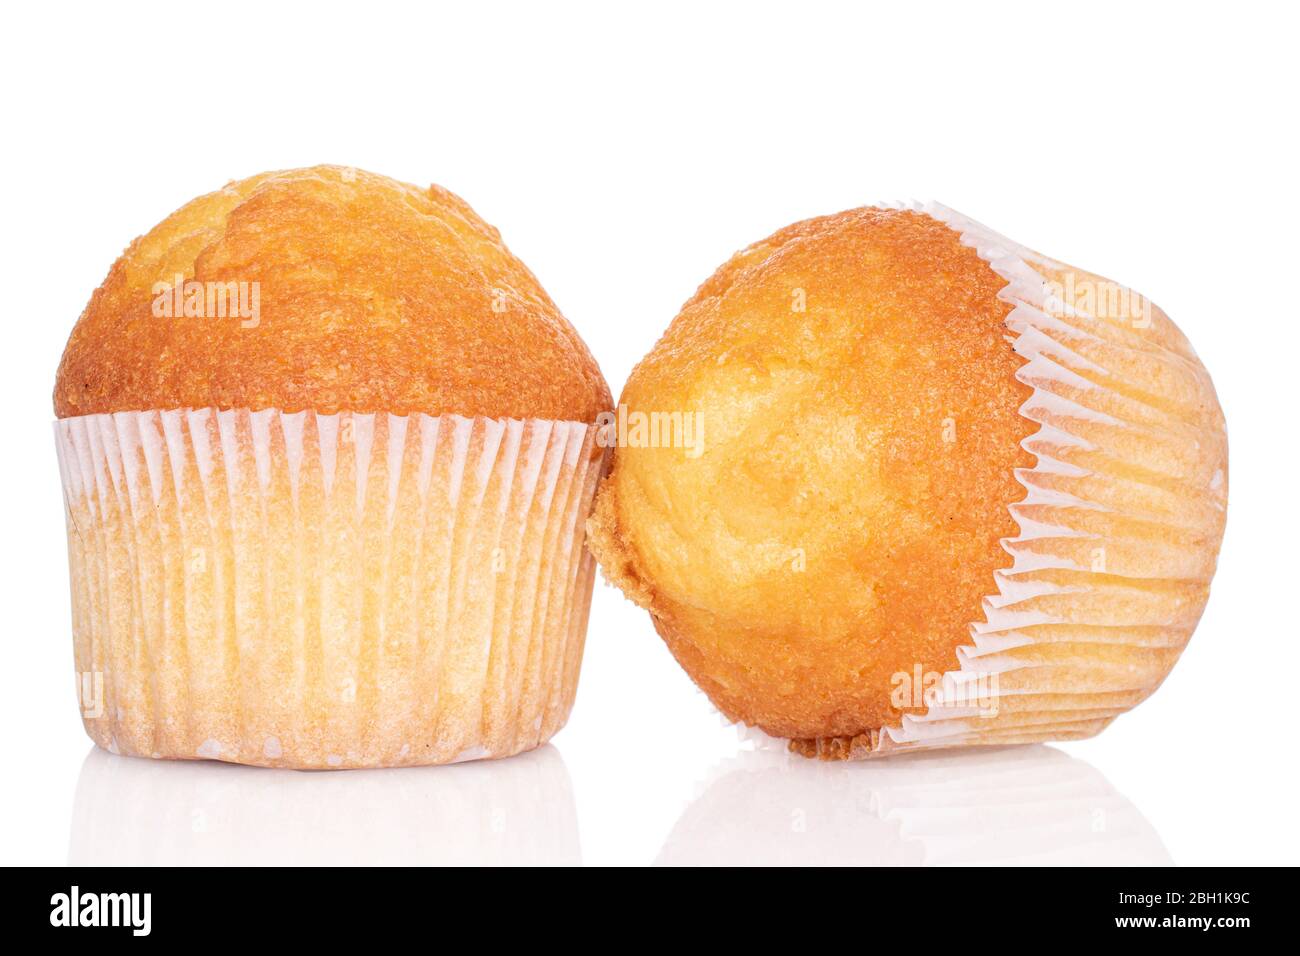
pixel 1019 805
pixel 135 812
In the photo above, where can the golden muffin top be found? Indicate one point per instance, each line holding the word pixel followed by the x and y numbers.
pixel 837 517
pixel 327 289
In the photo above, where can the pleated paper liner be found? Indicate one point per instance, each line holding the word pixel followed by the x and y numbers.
pixel 348 590
pixel 1118 531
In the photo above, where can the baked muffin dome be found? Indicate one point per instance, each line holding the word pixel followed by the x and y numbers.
pixel 874 405
pixel 374 295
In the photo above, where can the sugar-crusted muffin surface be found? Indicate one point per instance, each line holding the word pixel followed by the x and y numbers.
pixel 373 295
pixel 856 389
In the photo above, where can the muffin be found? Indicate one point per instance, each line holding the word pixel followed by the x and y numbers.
pixel 939 490
pixel 327 449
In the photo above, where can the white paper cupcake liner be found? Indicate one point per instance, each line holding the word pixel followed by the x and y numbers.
pixel 348 590
pixel 1118 531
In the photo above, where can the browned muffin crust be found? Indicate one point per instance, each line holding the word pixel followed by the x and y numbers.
pixel 830 536
pixel 371 295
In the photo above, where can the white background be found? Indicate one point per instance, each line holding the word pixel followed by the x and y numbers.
pixel 624 155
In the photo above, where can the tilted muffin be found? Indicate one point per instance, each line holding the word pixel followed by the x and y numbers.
pixel 327 448
pixel 942 490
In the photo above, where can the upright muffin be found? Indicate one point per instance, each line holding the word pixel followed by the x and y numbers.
pixel 939 490
pixel 327 449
